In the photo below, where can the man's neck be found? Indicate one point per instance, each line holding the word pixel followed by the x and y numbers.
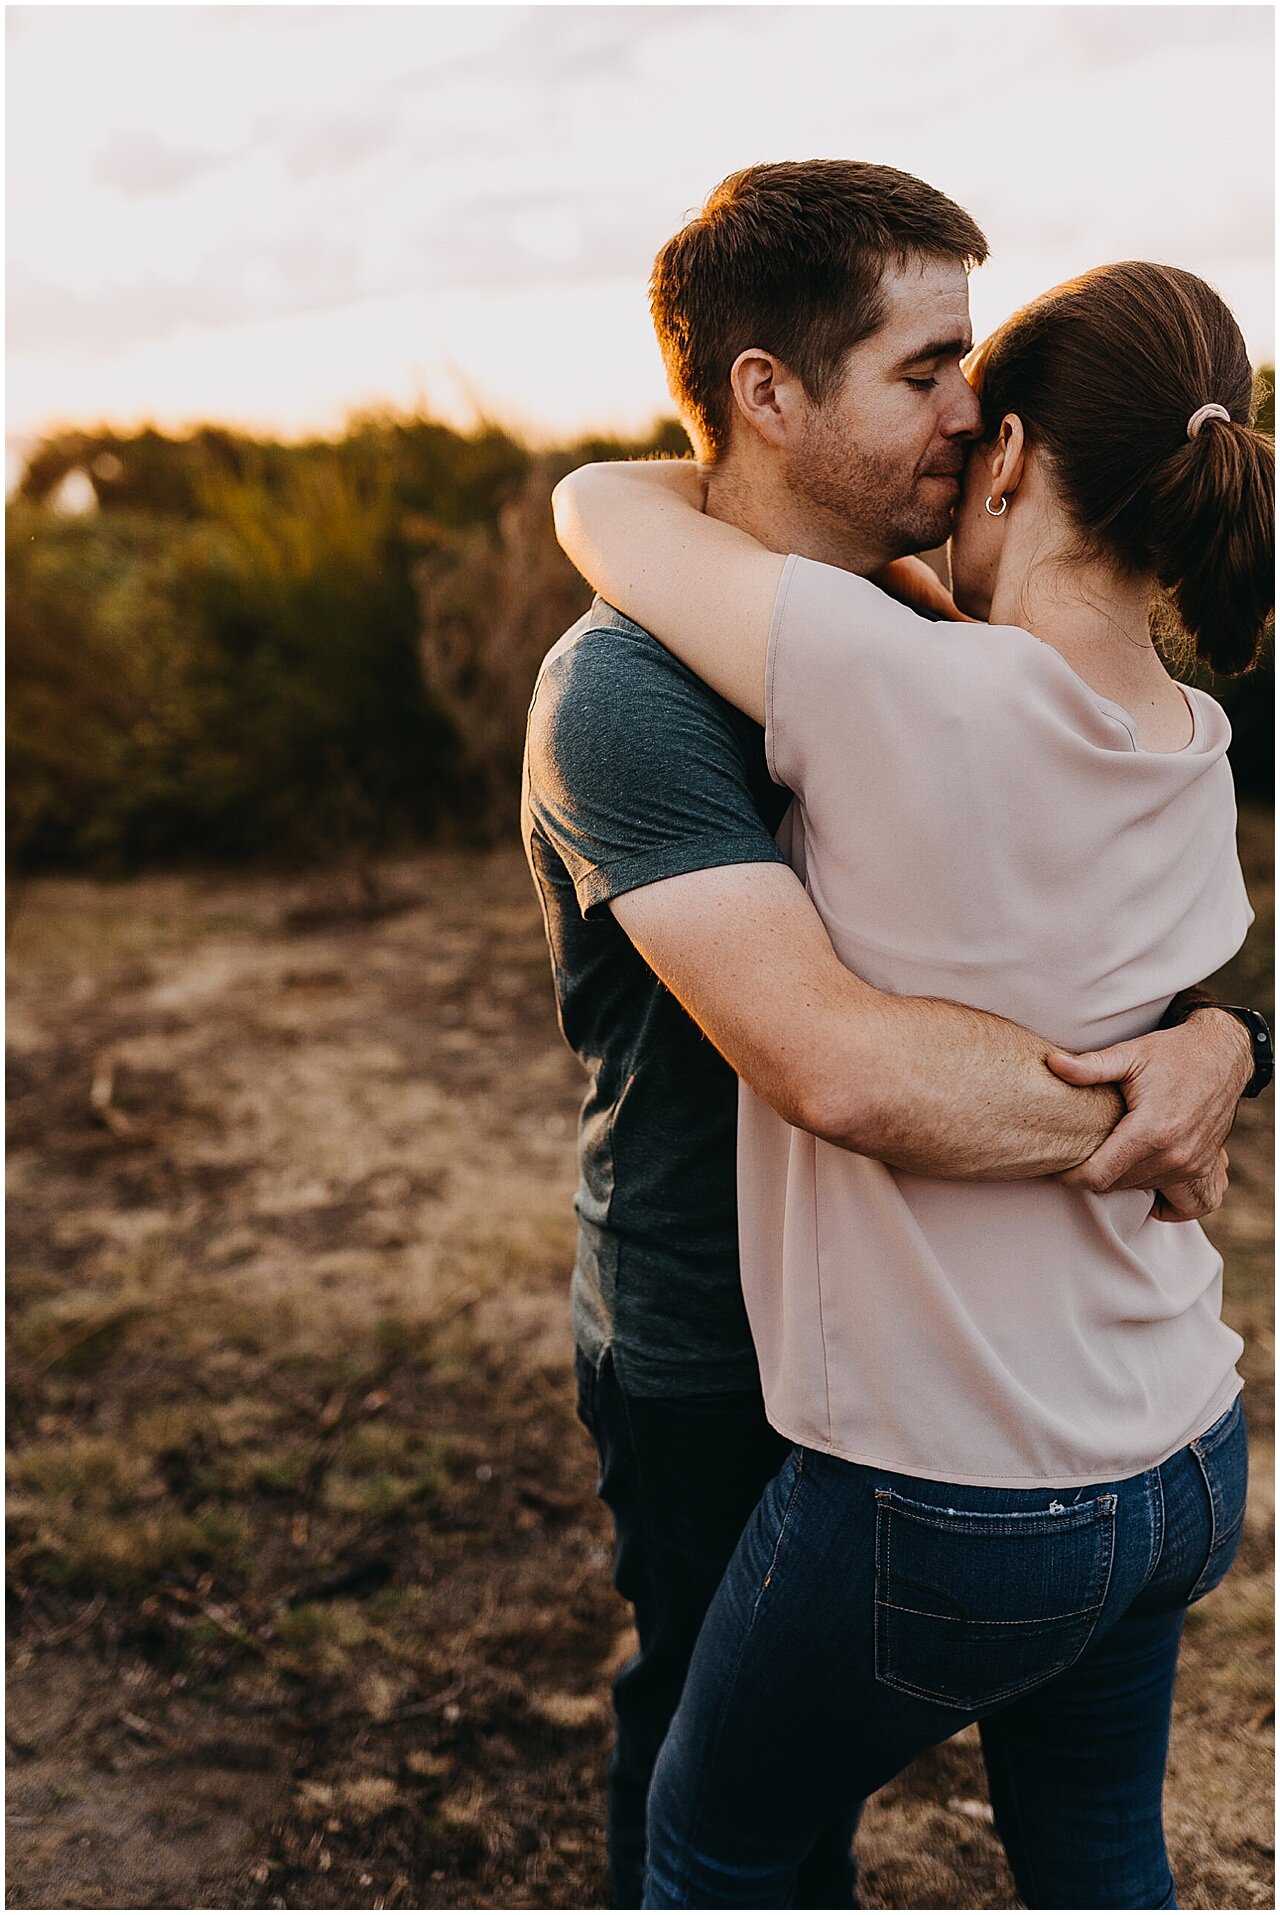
pixel 760 503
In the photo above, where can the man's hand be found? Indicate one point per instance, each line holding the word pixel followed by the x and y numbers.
pixel 912 582
pixel 1181 1089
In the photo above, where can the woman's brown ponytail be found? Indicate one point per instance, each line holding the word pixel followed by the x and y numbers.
pixel 1106 372
pixel 1212 540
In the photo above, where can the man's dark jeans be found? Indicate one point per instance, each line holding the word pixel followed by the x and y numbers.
pixel 681 1476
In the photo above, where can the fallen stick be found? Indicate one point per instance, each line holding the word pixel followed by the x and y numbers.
pixel 88 1614
pixel 274 1657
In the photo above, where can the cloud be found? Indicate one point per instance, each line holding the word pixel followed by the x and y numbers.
pixel 141 165
pixel 333 144
pixel 280 19
pixel 483 243
pixel 552 47
pixel 315 146
pixel 1237 228
pixel 238 283
pixel 1092 39
pixel 539 239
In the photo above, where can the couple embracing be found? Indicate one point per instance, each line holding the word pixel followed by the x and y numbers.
pixel 877 920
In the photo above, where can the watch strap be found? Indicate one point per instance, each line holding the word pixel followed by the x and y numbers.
pixel 1264 1055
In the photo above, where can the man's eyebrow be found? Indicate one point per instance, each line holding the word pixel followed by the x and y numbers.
pixel 953 348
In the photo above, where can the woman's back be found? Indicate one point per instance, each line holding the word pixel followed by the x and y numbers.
pixel 975 823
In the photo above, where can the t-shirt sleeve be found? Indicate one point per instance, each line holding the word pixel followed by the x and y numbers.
pixel 858 686
pixel 636 771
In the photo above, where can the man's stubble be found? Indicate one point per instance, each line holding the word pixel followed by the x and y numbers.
pixel 868 507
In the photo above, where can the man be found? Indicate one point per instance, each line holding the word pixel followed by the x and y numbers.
pixel 682 943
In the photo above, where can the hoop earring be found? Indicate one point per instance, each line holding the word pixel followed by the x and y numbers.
pixel 1004 507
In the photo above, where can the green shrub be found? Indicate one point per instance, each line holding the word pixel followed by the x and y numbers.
pixel 228 660
pixel 291 652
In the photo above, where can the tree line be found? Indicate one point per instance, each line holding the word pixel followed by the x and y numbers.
pixel 227 649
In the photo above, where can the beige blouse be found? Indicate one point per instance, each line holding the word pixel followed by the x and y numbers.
pixel 974 822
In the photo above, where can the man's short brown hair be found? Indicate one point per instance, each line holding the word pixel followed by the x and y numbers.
pixel 788 257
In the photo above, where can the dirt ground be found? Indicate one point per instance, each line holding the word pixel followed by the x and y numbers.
pixel 310 1598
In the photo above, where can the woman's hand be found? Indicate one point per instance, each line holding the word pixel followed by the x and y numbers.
pixel 915 583
pixel 1181 1089
pixel 682 478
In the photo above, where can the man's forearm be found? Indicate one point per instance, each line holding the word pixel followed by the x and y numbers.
pixel 922 1084
pixel 945 1091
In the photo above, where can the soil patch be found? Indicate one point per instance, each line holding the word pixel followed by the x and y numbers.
pixel 310 1598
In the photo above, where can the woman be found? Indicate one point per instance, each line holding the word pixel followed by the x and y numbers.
pixel 1020 1452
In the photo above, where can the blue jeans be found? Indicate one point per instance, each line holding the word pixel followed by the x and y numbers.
pixel 867 1616
pixel 681 1476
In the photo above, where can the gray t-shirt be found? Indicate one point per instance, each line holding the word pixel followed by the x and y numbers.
pixel 635 771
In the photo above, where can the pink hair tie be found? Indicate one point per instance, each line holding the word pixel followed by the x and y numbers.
pixel 1197 419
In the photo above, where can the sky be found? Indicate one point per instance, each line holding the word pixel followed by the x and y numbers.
pixel 272 216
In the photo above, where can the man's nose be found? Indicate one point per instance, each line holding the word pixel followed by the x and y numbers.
pixel 964 416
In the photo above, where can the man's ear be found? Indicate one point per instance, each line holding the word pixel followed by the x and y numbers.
pixel 1008 457
pixel 765 393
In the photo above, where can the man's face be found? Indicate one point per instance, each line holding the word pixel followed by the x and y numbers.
pixel 886 450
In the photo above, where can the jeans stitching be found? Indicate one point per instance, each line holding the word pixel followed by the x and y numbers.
pixel 1157 1524
pixel 880 1649
pixel 1108 1505
pixel 972 1711
pixel 782 1530
pixel 987 1622
pixel 1219 1431
pixel 1215 1517
pixel 977 1522
pixel 1220 1535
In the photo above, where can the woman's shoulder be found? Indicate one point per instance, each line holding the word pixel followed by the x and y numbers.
pixel 846 608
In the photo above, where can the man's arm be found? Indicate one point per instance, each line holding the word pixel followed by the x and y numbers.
pixel 919 1083
pixel 639 780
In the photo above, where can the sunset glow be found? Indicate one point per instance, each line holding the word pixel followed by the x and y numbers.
pixel 271 216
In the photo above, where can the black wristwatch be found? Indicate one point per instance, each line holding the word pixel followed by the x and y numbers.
pixel 1259 1037
pixel 1263 1048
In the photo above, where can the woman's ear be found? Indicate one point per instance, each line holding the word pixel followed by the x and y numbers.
pixel 764 393
pixel 1008 457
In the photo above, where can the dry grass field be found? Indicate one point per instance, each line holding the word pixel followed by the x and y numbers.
pixel 309 1592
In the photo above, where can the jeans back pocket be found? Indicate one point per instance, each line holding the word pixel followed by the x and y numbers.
pixel 973 1608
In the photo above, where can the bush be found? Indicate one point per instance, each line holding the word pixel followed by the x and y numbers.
pixel 242 684
pixel 105 698
pixel 255 650
pixel 494 600
pixel 228 659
